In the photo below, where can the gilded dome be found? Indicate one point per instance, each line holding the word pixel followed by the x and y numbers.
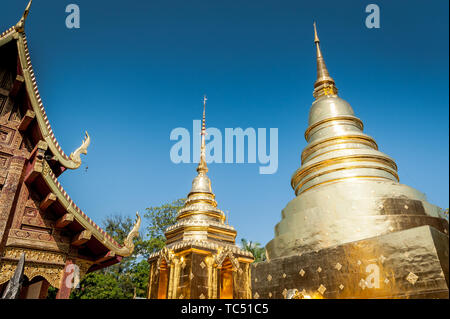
pixel 328 107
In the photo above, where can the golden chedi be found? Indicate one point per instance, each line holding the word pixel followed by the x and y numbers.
pixel 200 259
pixel 352 231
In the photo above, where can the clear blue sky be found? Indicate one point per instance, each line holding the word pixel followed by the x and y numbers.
pixel 135 70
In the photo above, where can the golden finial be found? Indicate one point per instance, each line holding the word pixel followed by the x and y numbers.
pixel 316 37
pixel 324 84
pixel 20 26
pixel 202 168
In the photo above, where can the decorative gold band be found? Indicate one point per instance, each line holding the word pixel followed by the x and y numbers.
pixel 338 160
pixel 333 119
pixel 393 173
pixel 361 139
pixel 343 178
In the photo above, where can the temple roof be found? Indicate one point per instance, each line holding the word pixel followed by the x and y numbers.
pixel 17 33
pixel 47 161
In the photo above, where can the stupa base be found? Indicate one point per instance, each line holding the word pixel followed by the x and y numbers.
pixel 412 263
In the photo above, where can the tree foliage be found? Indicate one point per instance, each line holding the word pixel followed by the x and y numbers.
pixel 259 253
pixel 159 218
pixel 129 278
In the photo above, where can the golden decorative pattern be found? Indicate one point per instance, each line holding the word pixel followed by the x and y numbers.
pixel 46 169
pixel 35 255
pixel 269 277
pixel 302 272
pixel 412 278
pixel 321 289
pixel 51 273
pixel 338 266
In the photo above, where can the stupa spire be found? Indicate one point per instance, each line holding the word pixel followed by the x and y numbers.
pixel 202 168
pixel 324 84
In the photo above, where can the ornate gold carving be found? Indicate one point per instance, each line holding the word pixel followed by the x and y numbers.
pixel 20 26
pixel 75 156
pixel 46 169
pixel 51 273
pixel 222 254
pixel 35 255
pixel 128 248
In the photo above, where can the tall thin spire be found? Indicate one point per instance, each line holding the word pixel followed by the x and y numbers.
pixel 202 168
pixel 324 84
pixel 20 26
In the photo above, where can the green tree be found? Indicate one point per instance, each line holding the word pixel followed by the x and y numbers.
pixel 259 253
pixel 99 285
pixel 159 218
pixel 443 213
pixel 130 276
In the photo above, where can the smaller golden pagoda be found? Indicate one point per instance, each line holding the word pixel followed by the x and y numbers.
pixel 201 259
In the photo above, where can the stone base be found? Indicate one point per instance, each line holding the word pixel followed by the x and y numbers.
pixel 407 264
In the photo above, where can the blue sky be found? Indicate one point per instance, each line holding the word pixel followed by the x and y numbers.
pixel 136 70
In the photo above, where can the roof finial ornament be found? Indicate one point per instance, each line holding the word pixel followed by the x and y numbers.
pixel 202 168
pixel 324 85
pixel 20 26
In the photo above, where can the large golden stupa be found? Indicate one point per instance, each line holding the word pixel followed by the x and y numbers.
pixel 352 231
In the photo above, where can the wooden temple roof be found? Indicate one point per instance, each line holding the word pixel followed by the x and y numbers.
pixel 47 161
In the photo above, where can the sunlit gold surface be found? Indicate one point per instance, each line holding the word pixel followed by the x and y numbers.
pixel 204 260
pixel 347 195
pixel 408 264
